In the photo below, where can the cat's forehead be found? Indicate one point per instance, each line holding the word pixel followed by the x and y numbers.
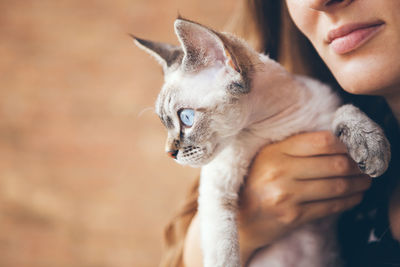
pixel 194 84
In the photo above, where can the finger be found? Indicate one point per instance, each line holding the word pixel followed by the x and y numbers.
pixel 322 167
pixel 320 209
pixel 331 188
pixel 313 143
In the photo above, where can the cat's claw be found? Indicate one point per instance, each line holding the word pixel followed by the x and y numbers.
pixel 365 140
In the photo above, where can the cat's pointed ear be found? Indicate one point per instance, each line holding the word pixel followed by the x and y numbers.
pixel 165 54
pixel 201 46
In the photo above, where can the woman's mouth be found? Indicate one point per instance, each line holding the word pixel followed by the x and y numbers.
pixel 351 36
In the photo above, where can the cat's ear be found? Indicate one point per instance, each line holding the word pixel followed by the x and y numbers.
pixel 201 46
pixel 165 54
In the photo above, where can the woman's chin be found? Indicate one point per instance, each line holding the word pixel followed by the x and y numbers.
pixel 374 74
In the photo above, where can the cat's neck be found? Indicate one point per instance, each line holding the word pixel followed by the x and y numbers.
pixel 281 104
pixel 275 93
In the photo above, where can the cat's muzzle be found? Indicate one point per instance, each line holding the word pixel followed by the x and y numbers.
pixel 173 153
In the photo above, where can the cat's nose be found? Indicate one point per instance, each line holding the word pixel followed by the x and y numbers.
pixel 172 153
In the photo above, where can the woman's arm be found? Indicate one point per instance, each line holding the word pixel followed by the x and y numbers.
pixel 292 182
pixel 192 254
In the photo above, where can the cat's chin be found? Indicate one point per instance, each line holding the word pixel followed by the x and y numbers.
pixel 195 163
pixel 200 163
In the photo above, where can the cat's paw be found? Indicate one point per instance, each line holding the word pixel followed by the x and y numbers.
pixel 365 140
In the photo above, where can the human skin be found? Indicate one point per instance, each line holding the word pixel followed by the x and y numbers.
pixel 372 68
pixel 310 176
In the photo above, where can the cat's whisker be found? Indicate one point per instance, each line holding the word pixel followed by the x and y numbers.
pixel 145 110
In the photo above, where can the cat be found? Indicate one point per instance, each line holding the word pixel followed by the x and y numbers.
pixel 221 102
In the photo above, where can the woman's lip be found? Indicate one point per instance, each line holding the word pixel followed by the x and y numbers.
pixel 351 36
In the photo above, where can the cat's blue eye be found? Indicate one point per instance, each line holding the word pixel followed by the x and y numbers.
pixel 187 117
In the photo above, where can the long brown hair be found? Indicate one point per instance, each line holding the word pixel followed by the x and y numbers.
pixel 266 25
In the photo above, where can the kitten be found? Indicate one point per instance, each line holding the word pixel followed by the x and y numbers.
pixel 221 102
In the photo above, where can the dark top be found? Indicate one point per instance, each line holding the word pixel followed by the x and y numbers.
pixel 364 232
pixel 365 236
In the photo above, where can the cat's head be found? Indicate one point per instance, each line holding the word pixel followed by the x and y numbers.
pixel 202 102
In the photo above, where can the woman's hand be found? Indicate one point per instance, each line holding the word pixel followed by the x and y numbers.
pixel 303 178
pixel 295 181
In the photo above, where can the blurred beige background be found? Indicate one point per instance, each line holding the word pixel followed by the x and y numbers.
pixel 84 181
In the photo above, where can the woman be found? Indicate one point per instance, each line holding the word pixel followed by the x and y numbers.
pixel 359 42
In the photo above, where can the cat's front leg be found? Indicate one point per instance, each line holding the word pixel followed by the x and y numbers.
pixel 219 186
pixel 219 236
pixel 365 140
pixel 217 211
